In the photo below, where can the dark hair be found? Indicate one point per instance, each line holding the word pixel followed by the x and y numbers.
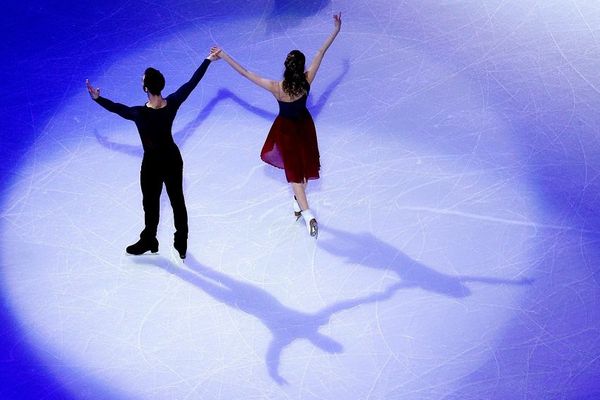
pixel 294 79
pixel 154 81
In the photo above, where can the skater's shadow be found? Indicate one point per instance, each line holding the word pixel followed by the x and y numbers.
pixel 285 324
pixel 180 136
pixel 367 250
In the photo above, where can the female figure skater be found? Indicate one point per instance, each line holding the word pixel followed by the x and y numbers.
pixel 162 162
pixel 292 142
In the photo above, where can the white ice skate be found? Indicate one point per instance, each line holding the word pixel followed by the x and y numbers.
pixel 311 223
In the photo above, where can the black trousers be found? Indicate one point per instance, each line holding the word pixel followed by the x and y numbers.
pixel 158 169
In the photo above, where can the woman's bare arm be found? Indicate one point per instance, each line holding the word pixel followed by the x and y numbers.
pixel 316 62
pixel 267 84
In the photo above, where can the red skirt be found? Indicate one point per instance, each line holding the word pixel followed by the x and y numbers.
pixel 292 145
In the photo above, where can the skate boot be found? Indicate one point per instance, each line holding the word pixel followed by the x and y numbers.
pixel 180 244
pixel 142 246
pixel 311 223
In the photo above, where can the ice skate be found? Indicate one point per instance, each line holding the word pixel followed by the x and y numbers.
pixel 180 244
pixel 142 246
pixel 311 223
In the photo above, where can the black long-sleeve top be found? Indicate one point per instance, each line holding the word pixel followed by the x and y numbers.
pixel 154 124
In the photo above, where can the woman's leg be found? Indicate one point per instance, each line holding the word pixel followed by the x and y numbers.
pixel 299 190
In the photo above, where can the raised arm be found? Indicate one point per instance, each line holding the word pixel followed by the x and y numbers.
pixel 316 62
pixel 185 90
pixel 117 108
pixel 264 83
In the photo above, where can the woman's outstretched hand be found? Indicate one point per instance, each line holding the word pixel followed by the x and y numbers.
pixel 214 54
pixel 94 92
pixel 337 21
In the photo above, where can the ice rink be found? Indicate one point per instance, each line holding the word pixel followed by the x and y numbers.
pixel 459 247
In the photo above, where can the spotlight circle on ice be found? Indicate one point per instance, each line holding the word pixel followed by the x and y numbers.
pixel 418 212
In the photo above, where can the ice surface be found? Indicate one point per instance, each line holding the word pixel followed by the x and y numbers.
pixel 458 251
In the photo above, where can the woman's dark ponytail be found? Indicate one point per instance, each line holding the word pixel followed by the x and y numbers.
pixel 294 80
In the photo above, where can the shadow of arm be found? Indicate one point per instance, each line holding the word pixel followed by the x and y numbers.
pixel 497 281
pixel 327 312
pixel 249 107
pixel 317 107
pixel 184 133
pixel 120 147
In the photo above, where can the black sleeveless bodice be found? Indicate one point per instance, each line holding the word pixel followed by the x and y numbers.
pixel 293 109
